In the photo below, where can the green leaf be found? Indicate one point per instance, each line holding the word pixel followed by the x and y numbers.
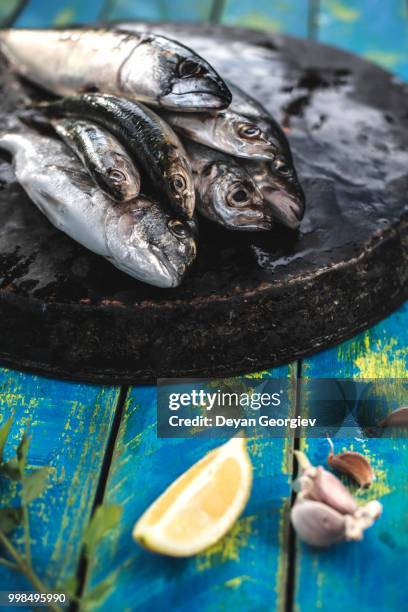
pixel 105 518
pixel 69 587
pixel 35 484
pixel 10 518
pixel 11 469
pixel 4 433
pixel 96 596
pixel 22 452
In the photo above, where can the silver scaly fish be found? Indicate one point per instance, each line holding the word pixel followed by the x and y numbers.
pixel 147 138
pixel 228 132
pixel 226 192
pixel 103 156
pixel 137 237
pixel 143 66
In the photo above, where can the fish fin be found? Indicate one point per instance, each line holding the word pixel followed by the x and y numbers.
pixel 80 177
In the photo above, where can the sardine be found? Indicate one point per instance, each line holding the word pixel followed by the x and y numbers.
pixel 277 180
pixel 227 132
pixel 143 66
pixel 147 137
pixel 280 188
pixel 226 193
pixel 243 104
pixel 103 156
pixel 138 237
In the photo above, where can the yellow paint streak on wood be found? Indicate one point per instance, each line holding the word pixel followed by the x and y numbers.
pixel 84 476
pixel 281 574
pixel 237 582
pixel 342 12
pixel 381 360
pixel 259 21
pixel 384 58
pixel 64 17
pixel 229 547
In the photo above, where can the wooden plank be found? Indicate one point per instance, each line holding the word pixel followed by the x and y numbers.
pixel 283 16
pixel 375 29
pixel 10 9
pixel 363 576
pixel 69 424
pixel 245 570
pixel 158 10
pixel 48 13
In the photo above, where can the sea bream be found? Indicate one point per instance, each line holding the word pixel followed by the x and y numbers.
pixel 144 134
pixel 138 237
pixel 226 192
pixel 143 66
pixel 103 156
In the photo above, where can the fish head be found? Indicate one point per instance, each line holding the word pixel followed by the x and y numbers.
pixel 282 192
pixel 148 243
pixel 120 179
pixel 180 184
pixel 229 196
pixel 188 82
pixel 246 137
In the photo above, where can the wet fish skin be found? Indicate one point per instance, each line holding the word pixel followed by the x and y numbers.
pixel 245 105
pixel 103 156
pixel 281 190
pixel 144 134
pixel 137 237
pixel 226 193
pixel 277 180
pixel 141 65
pixel 228 132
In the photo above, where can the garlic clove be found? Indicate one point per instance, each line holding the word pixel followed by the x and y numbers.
pixel 398 418
pixel 318 484
pixel 317 524
pixel 362 519
pixel 354 465
pixel 320 525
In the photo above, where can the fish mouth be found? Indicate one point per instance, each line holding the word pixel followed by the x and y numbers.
pixel 168 275
pixel 284 207
pixel 211 94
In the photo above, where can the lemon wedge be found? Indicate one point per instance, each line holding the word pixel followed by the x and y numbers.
pixel 201 505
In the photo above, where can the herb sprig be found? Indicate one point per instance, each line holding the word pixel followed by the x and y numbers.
pixel 31 484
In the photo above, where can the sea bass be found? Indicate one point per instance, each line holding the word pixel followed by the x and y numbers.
pixel 138 237
pixel 144 66
pixel 103 156
pixel 228 132
pixel 225 191
pixel 147 137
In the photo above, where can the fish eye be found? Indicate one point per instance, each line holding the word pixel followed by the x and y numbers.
pixel 189 68
pixel 249 131
pixel 282 168
pixel 178 184
pixel 177 228
pixel 116 175
pixel 238 197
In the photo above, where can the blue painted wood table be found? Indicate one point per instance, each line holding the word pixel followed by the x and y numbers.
pixel 101 441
